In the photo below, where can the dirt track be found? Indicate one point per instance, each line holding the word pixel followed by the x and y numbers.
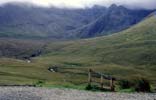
pixel 30 93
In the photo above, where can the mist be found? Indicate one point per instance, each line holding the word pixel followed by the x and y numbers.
pixel 133 4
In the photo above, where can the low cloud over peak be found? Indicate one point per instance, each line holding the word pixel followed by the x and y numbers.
pixel 133 4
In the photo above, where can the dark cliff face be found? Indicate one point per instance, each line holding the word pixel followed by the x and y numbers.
pixel 116 18
pixel 43 22
pixel 35 22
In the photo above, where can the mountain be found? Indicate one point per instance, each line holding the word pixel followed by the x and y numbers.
pixel 115 19
pixel 35 22
pixel 30 21
pixel 130 53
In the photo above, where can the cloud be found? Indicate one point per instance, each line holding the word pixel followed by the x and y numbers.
pixel 147 4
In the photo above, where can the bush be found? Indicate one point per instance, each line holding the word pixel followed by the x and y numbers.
pixel 40 83
pixel 124 84
pixel 88 87
pixel 137 84
pixel 142 85
pixel 92 87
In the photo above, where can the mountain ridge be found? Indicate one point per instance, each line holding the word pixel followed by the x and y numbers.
pixel 113 21
pixel 36 22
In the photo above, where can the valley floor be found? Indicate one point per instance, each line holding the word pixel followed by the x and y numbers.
pixel 30 93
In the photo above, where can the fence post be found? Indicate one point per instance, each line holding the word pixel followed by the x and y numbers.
pixel 112 84
pixel 101 82
pixel 89 77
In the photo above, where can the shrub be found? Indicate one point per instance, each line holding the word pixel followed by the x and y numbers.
pixel 88 87
pixel 40 83
pixel 92 87
pixel 142 85
pixel 124 84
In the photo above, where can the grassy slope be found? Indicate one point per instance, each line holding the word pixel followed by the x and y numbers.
pixel 130 53
pixel 19 47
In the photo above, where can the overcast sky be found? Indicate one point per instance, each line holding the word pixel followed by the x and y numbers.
pixel 148 4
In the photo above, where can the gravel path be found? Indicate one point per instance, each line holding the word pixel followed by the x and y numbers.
pixel 30 93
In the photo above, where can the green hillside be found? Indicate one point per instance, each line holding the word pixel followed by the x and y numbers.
pixel 130 53
pixel 135 46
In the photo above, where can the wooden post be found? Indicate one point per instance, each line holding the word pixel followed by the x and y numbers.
pixel 101 82
pixel 112 87
pixel 89 77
